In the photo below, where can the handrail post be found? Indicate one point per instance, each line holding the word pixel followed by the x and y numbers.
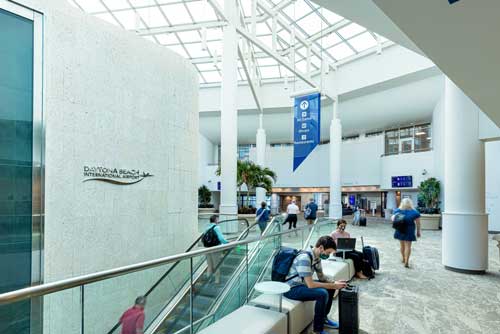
pixel 191 297
pixel 302 232
pixel 246 259
pixel 82 301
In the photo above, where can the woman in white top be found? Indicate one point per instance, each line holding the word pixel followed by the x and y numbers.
pixel 292 210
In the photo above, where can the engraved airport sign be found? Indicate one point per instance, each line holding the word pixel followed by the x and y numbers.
pixel 118 176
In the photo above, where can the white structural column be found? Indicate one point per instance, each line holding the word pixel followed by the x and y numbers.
pixel 261 159
pixel 465 222
pixel 335 206
pixel 391 200
pixel 229 121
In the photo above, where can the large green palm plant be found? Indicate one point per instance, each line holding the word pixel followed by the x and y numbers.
pixel 253 176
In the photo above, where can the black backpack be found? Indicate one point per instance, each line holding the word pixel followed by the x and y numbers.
pixel 210 238
pixel 283 262
pixel 399 223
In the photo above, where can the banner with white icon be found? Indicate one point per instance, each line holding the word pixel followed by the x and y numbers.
pixel 306 134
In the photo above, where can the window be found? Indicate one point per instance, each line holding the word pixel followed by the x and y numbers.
pixel 373 134
pixel 244 152
pixel 423 137
pixel 348 138
pixel 408 139
pixel 392 142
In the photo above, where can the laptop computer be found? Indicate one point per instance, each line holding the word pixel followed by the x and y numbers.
pixel 346 244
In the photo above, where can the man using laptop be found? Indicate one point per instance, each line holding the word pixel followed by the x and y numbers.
pixel 348 244
pixel 304 288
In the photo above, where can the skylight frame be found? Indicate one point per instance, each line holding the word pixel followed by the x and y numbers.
pixel 194 20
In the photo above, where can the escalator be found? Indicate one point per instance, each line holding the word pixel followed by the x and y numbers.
pixel 169 297
pixel 179 299
pixel 207 295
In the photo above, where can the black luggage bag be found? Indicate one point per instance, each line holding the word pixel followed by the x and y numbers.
pixel 362 221
pixel 348 310
pixel 371 255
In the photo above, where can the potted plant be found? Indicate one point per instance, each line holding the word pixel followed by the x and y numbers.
pixel 204 198
pixel 428 204
pixel 252 176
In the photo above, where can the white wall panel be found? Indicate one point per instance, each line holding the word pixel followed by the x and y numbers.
pixel 412 164
pixel 116 100
pixel 492 150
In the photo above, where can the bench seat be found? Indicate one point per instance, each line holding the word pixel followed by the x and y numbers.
pixel 338 268
pixel 300 314
pixel 249 320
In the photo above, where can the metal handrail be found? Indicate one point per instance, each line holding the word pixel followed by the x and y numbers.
pixel 48 288
pixel 242 236
pixel 160 280
pixel 237 272
pixel 215 270
pixel 318 222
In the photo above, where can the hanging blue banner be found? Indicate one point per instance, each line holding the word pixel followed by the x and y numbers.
pixel 307 112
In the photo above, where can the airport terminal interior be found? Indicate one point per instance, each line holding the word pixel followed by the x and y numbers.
pixel 239 166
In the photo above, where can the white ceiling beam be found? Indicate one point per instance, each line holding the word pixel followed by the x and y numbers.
pixel 251 83
pixel 218 9
pixel 276 56
pixel 180 28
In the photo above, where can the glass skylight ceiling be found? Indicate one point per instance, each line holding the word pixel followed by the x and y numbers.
pixel 184 25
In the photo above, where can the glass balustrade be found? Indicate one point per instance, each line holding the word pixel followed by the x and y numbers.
pixel 182 296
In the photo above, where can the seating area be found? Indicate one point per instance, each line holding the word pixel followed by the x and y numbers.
pixel 264 308
pixel 427 282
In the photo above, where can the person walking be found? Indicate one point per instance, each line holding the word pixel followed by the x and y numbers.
pixel 310 211
pixel 212 236
pixel 292 210
pixel 407 235
pixel 357 215
pixel 132 320
pixel 354 255
pixel 262 216
pixel 304 288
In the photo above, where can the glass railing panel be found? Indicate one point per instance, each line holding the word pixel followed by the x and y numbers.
pixel 105 301
pixel 61 312
pixel 206 289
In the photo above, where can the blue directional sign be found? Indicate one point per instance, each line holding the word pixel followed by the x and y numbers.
pixel 402 181
pixel 306 135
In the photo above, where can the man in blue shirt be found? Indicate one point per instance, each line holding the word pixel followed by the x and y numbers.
pixel 304 288
pixel 262 216
pixel 213 259
pixel 310 212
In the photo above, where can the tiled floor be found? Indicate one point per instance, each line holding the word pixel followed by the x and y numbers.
pixel 426 298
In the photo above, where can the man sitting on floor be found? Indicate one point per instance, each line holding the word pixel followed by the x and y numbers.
pixel 304 288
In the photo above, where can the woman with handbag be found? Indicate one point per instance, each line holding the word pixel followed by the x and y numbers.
pixel 406 220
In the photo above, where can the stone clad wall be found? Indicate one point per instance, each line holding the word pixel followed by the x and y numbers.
pixel 115 100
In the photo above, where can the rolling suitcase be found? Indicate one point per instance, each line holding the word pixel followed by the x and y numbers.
pixel 362 221
pixel 371 254
pixel 348 310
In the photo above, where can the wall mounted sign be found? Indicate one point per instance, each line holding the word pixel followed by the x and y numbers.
pixel 306 133
pixel 402 181
pixel 117 176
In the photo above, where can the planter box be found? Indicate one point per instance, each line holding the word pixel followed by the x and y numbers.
pixel 430 222
pixel 206 210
